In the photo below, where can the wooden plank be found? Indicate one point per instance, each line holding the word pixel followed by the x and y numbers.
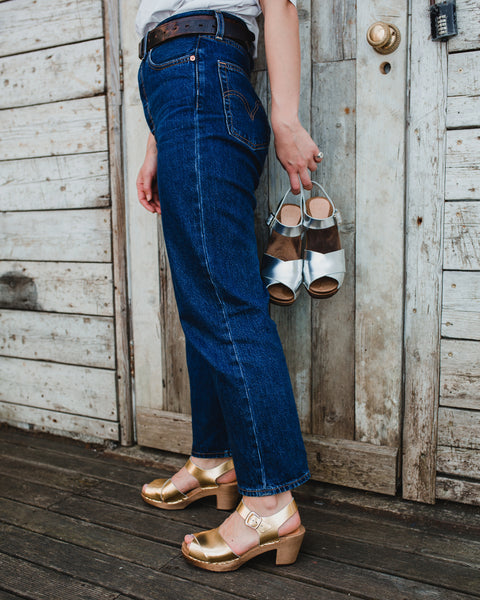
pixel 459 428
pixel 27 25
pixel 460 374
pixel 458 490
pixel 87 465
pixel 460 462
pixel 143 273
pixel 75 181
pixel 423 266
pixel 294 324
pixel 69 127
pixel 99 569
pixel 463 148
pixel 34 494
pixel 48 467
pixel 119 226
pixel 56 387
pixel 108 541
pixel 84 288
pixel 66 235
pixel 36 473
pixel 76 426
pixel 176 392
pixel 461 305
pixel 349 463
pixel 340 576
pixel 73 339
pixel 334 32
pixel 333 321
pixel 164 430
pixel 463 74
pixel 463 111
pixel 379 224
pixel 462 231
pixel 468 19
pixel 38 583
pixel 72 71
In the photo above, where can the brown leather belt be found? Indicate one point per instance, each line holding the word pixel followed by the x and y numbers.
pixel 194 25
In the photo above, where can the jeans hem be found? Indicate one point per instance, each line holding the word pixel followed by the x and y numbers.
pixel 221 454
pixel 277 489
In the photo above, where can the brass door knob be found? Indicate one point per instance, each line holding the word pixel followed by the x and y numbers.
pixel 383 37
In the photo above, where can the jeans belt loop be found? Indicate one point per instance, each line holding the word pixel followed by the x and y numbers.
pixel 144 49
pixel 220 26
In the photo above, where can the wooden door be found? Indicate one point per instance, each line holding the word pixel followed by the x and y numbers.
pixel 344 353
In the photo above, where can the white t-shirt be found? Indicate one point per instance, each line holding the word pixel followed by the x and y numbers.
pixel 152 12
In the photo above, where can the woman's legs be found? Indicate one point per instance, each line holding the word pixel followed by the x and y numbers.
pixel 210 158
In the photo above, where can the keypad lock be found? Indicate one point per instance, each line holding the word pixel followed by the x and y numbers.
pixel 443 19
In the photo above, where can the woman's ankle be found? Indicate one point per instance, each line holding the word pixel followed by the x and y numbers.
pixel 267 505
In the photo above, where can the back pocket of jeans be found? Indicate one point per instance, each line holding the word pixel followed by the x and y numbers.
pixel 244 114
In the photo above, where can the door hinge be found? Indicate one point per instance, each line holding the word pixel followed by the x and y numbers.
pixel 131 351
pixel 120 69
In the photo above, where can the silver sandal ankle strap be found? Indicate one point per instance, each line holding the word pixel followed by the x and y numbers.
pixel 287 230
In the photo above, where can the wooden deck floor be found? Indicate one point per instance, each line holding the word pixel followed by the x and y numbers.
pixel 73 526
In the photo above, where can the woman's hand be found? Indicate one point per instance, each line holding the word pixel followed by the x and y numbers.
pixel 147 190
pixel 296 151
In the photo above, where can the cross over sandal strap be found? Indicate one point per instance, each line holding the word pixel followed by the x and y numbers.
pixel 267 527
pixel 209 546
pixel 164 493
pixel 208 477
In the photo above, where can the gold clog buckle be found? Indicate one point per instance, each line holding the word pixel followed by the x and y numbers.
pixel 253 520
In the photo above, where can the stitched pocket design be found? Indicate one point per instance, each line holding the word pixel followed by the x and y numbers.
pixel 152 56
pixel 244 114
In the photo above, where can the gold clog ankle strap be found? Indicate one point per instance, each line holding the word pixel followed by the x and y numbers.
pixel 208 477
pixel 267 527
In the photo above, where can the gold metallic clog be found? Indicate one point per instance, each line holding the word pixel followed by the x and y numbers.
pixel 210 551
pixel 164 494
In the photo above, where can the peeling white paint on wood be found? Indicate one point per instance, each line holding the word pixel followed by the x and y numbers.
pixel 63 235
pixel 468 19
pixel 62 73
pixel 68 127
pixel 72 339
pixel 29 24
pixel 461 305
pixel 459 428
pixel 462 234
pixel 73 181
pixel 70 389
pixel 76 426
pixel 460 374
pixel 75 287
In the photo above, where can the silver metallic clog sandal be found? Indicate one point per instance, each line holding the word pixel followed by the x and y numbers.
pixel 282 262
pixel 324 258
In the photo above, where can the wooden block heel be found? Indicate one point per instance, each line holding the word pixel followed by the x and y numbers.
pixel 289 547
pixel 227 496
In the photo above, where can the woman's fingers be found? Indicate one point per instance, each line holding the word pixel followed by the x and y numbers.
pixel 147 191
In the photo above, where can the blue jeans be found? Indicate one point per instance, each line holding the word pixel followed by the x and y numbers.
pixel 212 137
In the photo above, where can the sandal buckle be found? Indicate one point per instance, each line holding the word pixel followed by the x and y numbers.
pixel 253 520
pixel 270 218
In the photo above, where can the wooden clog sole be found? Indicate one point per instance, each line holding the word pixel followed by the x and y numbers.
pixel 226 493
pixel 287 548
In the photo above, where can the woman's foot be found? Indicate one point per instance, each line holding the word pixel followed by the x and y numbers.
pixel 198 479
pixel 185 482
pixel 239 536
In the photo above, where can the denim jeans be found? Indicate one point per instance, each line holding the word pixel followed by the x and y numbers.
pixel 212 137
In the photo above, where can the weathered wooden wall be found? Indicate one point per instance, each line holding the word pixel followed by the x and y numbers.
pixel 60 344
pixel 458 452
